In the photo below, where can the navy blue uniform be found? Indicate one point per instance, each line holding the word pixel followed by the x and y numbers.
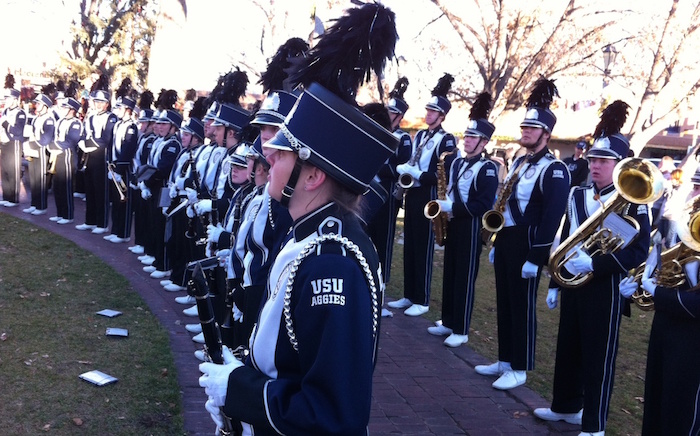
pixel 578 169
pixel 11 137
pixel 419 238
pixel 290 383
pixel 382 226
pixel 43 127
pixel 532 217
pixel 69 132
pixel 590 316
pixel 124 147
pixel 672 382
pixel 100 128
pixel 138 204
pixel 472 190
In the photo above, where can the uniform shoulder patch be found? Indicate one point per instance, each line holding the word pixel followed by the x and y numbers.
pixel 642 209
pixel 327 292
pixel 490 172
pixel 557 174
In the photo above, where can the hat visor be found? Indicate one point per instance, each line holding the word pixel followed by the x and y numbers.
pixel 470 132
pixel 278 142
pixel 603 154
pixel 534 124
pixel 394 110
pixel 434 107
pixel 267 120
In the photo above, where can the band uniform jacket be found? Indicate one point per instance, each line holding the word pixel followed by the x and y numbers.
pixel 100 128
pixel 12 123
pixel 672 382
pixel 538 200
pixel 326 386
pixel 125 144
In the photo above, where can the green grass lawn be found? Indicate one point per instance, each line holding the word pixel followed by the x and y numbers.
pixel 49 334
pixel 626 407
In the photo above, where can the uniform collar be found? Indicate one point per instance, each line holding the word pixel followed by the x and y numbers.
pixel 537 156
pixel 605 191
pixel 309 223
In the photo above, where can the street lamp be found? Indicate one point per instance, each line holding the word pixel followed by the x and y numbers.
pixel 609 55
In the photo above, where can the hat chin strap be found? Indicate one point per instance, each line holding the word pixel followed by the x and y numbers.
pixel 288 189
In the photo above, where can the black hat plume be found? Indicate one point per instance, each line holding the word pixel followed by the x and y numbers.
pixel 443 86
pixel 355 45
pixel 49 90
pixel 101 84
pixel 9 81
pixel 199 108
pixel 167 99
pixel 124 88
pixel 233 87
pixel 275 76
pixel 399 88
pixel 481 108
pixel 72 89
pixel 542 94
pixel 612 119
pixel 61 86
pixel 146 99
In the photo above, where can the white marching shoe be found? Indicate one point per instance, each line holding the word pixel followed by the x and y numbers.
pixel 55 218
pixel 100 230
pixel 136 249
pixel 64 221
pixel 159 274
pixel 400 304
pixel 416 310
pixel 39 212
pixel 455 340
pixel 198 338
pixel 439 330
pixel 547 414
pixel 199 354
pixel 29 209
pixel 194 328
pixel 186 299
pixel 85 226
pixel 386 313
pixel 149 269
pixel 174 288
pixel 510 379
pixel 192 311
pixel 595 433
pixel 166 282
pixel 496 368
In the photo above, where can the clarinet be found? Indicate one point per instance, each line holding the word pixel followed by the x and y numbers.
pixel 191 232
pixel 213 350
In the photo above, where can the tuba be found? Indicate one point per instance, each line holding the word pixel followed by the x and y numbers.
pixel 670 267
pixel 432 210
pixel 637 181
pixel 493 220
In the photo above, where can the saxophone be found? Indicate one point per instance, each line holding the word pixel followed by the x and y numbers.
pixel 432 210
pixel 493 220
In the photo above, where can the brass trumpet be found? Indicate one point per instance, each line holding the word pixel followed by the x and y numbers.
pixel 670 270
pixel 637 181
pixel 119 184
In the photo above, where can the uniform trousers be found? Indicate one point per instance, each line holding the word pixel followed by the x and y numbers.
pixel 177 246
pixel 122 211
pixel 63 184
pixel 38 180
pixel 419 242
pixel 140 207
pixel 79 180
pixel 11 155
pixel 515 299
pixel 461 267
pixel 584 370
pixel 381 230
pixel 96 190
pixel 672 382
pixel 158 228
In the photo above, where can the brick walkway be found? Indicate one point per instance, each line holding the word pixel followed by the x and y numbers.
pixel 420 386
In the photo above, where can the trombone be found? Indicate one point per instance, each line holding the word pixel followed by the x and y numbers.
pixel 118 181
pixel 636 181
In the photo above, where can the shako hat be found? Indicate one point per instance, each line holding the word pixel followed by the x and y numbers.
pixel 10 90
pixel 538 113
pixel 439 102
pixel 609 143
pixel 397 104
pixel 43 99
pixel 479 124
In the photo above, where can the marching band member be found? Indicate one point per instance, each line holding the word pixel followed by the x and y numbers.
pixel 473 182
pixel 590 316
pixel 99 129
pixel 578 165
pixel 289 383
pixel 122 152
pixel 382 227
pixel 419 241
pixel 43 132
pixel 69 131
pixel 145 141
pixel 533 211
pixel 12 124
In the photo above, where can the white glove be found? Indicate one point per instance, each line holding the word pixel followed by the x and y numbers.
pixel 552 296
pixel 172 192
pixel 627 287
pixel 180 183
pixel 215 377
pixel 213 232
pixel 415 173
pixel 215 413
pixel 529 270
pixel 202 207
pixel 580 264
pixel 191 195
pixel 146 193
pixel 492 254
pixel 237 314
pixel 402 168
pixel 691 271
pixel 117 177
pixel 164 209
pixel 190 212
pixel 222 255
pixel 649 285
pixel 141 185
pixel 109 175
pixel 445 205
